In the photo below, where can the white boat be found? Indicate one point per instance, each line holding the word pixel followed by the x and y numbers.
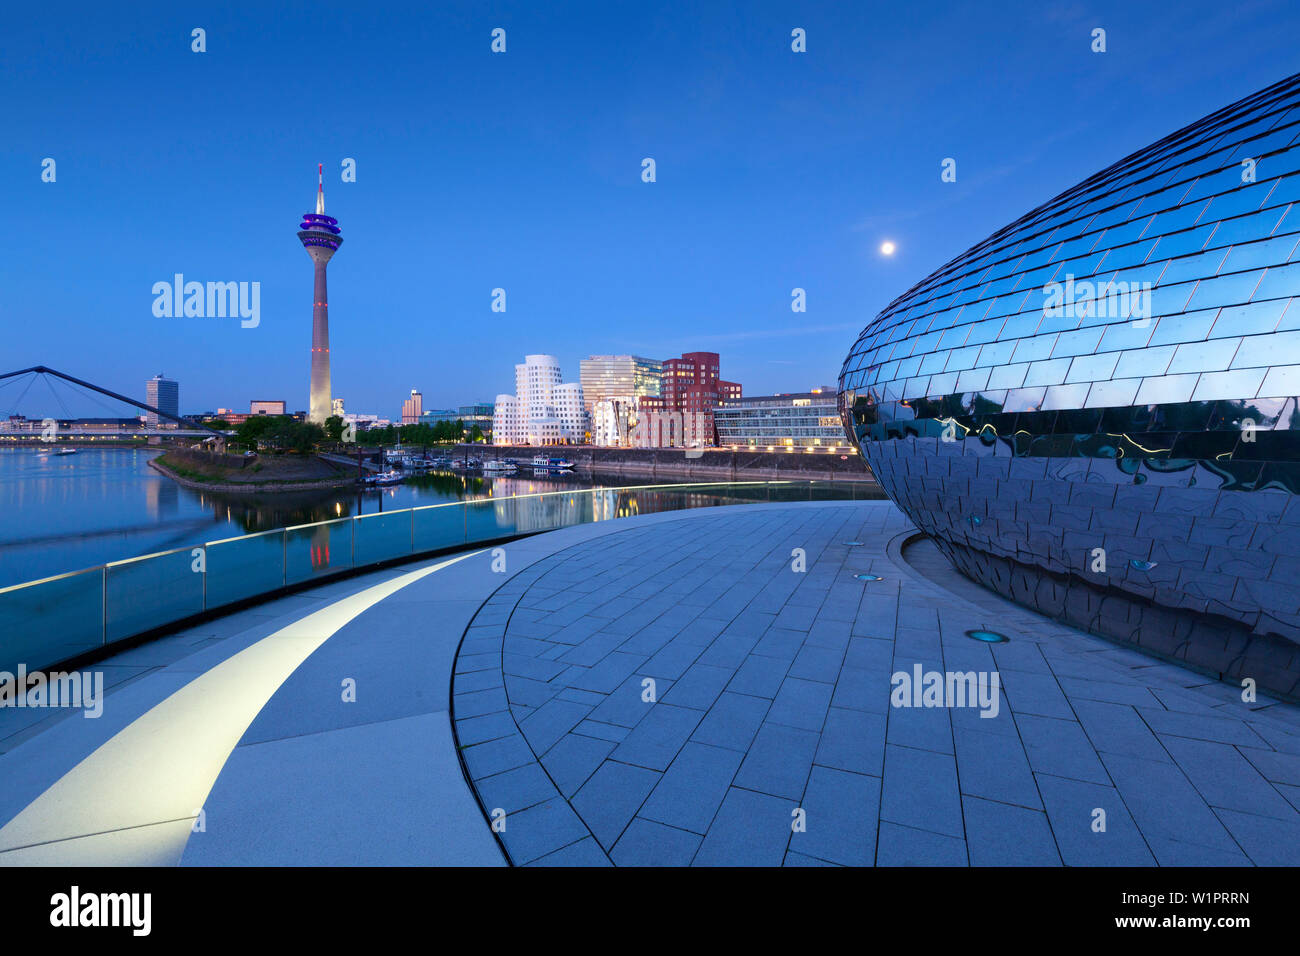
pixel 388 477
pixel 66 451
pixel 498 467
pixel 543 463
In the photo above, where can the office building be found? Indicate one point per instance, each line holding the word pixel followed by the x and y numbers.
pixel 794 422
pixel 683 413
pixel 163 394
pixel 413 408
pixel 266 407
pixel 619 377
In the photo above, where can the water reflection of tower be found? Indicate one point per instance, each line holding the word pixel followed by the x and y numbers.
pixel 161 498
pixel 320 237
pixel 320 547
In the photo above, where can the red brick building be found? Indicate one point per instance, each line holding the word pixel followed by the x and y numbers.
pixel 682 414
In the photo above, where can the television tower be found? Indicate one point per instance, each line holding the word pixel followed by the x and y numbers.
pixel 320 237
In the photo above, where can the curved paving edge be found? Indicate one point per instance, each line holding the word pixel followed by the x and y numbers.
pixel 772 696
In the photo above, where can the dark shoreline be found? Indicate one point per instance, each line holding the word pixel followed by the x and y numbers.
pixel 252 487
pixel 706 464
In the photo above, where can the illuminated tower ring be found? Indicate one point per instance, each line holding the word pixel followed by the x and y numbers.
pixel 1096 410
pixel 320 237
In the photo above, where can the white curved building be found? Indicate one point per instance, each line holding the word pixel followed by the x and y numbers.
pixel 543 411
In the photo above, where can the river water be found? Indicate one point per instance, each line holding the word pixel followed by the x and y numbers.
pixel 63 513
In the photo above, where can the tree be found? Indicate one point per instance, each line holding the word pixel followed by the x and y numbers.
pixel 253 430
pixel 280 433
pixel 476 434
pixel 334 428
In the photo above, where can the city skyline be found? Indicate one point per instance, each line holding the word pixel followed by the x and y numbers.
pixel 776 171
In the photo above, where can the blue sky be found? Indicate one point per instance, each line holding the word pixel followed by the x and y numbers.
pixel 522 170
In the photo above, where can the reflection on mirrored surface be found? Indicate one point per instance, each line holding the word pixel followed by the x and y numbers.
pixel 1127 463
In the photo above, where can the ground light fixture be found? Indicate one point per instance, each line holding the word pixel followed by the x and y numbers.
pixel 988 637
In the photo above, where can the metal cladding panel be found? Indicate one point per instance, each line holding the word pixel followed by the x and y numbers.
pixel 1094 410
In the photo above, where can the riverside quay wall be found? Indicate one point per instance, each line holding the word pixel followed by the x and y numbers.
pixel 704 463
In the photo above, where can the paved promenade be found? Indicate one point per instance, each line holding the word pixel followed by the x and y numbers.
pixel 666 689
pixel 678 694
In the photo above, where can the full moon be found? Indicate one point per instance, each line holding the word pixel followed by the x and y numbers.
pixel 887 248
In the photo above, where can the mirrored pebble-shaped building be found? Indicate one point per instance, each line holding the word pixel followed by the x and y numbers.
pixel 1094 410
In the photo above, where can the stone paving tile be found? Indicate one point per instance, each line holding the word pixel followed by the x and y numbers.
pixel 1278 767
pixel 1226 730
pixel 752 829
pixel 859 689
pixel 920 790
pixel 602 731
pixel 841 810
pixel 477 730
pixel 586 852
pixel 852 740
pixel 608 674
pixel 542 829
pixel 798 859
pixel 771 694
pixel 477 703
pixel 1117 729
pixel 1061 748
pixel 922 728
pixel 778 761
pixel 994 766
pixel 1071 806
pixel 655 741
pixel 626 706
pixel 759 676
pixel 690 792
pixel 497 756
pixel 1227 779
pixel 573 760
pixel 1172 815
pixel 801 703
pixel 610 798
pixel 646 843
pixel 516 789
pixel 732 722
pixel 699 687
pixel 999 834
pixel 906 846
pixel 552 721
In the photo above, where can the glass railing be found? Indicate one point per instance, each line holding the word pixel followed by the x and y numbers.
pixel 54 619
